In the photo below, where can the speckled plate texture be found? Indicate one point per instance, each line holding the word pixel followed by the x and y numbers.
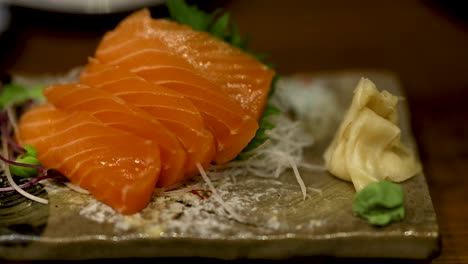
pixel 277 221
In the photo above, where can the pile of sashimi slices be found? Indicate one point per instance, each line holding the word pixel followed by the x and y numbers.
pixel 157 104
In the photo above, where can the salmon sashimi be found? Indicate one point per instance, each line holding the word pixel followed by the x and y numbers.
pixel 232 127
pixel 158 100
pixel 171 108
pixel 115 112
pixel 155 59
pixel 240 76
pixel 118 168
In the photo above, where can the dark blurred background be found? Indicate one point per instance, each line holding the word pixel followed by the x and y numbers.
pixel 425 43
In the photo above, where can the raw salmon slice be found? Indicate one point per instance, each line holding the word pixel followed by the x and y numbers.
pixel 171 108
pixel 240 76
pixel 149 53
pixel 118 168
pixel 232 127
pixel 115 112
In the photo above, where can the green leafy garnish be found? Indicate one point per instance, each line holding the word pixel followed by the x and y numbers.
pixel 236 38
pixel 28 157
pixel 218 28
pixel 189 15
pixel 264 124
pixel 218 23
pixel 30 151
pixel 16 94
pixel 380 203
pixel 25 172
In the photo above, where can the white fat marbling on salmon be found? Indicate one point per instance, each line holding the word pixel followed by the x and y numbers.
pixel 76 154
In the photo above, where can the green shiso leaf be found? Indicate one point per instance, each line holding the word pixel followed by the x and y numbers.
pixel 15 94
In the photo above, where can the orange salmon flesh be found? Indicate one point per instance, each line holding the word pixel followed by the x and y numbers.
pixel 156 100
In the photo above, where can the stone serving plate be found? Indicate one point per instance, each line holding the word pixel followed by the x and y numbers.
pixel 278 223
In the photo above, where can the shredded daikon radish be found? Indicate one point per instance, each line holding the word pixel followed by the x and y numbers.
pixel 216 195
pixel 177 192
pixel 313 167
pixel 12 119
pixel 76 188
pixel 168 188
pixel 283 150
pixel 287 138
pixel 298 178
pixel 177 189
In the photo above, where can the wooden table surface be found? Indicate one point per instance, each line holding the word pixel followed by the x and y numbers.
pixel 423 42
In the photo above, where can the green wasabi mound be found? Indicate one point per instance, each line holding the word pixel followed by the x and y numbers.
pixel 380 203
